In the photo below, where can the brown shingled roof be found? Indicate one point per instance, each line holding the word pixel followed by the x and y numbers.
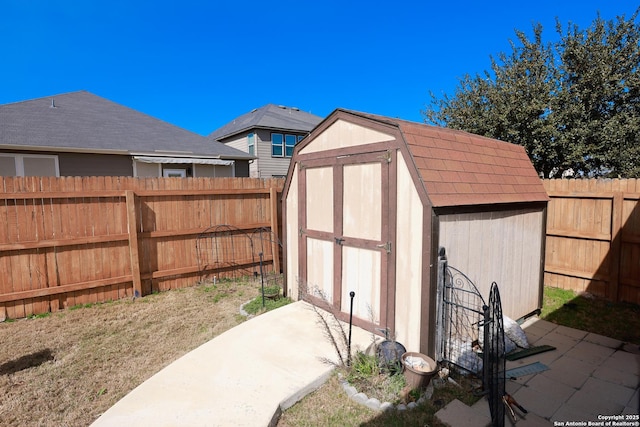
pixel 459 168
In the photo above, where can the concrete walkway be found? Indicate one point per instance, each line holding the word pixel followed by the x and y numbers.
pixel 589 376
pixel 247 375
pixel 243 377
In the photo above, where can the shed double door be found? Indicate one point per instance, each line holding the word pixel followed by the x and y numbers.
pixel 345 234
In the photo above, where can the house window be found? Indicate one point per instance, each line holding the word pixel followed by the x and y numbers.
pixel 282 145
pixel 289 142
pixel 28 165
pixel 276 144
pixel 251 142
pixel 174 173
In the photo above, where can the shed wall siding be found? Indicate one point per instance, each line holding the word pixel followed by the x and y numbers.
pixel 320 269
pixel 361 274
pixel 362 206
pixel 409 269
pixel 320 201
pixel 503 247
pixel 343 134
pixel 292 239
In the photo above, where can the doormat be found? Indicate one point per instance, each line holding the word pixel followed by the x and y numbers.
pixel 521 371
pixel 529 352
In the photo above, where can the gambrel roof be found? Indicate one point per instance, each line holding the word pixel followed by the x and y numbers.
pixel 462 169
pixel 270 116
pixel 84 122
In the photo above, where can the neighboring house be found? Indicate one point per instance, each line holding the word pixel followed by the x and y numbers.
pixel 269 133
pixel 81 134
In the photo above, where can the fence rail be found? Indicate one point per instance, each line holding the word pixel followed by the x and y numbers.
pixel 78 240
pixel 593 237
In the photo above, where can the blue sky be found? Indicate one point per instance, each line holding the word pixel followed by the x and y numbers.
pixel 199 64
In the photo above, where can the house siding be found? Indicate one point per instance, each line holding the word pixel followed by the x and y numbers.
pixel 209 171
pixel 239 142
pixel 270 166
pixel 79 164
pixel 244 168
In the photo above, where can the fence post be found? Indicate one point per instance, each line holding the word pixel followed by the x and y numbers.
pixel 616 244
pixel 275 248
pixel 132 227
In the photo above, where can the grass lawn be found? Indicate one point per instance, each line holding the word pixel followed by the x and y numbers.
pixel 614 320
pixel 67 368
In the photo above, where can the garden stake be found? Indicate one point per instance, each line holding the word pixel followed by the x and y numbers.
pixel 262 279
pixel 351 294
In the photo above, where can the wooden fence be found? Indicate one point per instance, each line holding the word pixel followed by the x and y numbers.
pixel 70 241
pixel 593 237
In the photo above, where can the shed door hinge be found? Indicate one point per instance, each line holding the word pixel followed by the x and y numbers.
pixel 385 246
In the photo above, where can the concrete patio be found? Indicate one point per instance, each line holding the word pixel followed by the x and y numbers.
pixel 589 376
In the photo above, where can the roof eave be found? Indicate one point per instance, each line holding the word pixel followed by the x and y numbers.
pixel 51 149
pixel 54 149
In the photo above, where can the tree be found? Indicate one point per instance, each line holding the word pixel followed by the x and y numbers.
pixel 573 104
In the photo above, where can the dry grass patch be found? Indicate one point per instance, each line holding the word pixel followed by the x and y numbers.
pixel 68 368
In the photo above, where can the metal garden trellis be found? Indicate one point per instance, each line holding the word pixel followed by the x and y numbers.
pixel 470 333
pixel 236 252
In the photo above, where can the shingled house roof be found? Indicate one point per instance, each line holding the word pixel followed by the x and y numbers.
pixel 459 168
pixel 84 122
pixel 270 116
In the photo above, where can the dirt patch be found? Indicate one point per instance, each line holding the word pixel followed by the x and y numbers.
pixel 70 367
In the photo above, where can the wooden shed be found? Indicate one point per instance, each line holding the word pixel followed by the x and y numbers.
pixel 369 200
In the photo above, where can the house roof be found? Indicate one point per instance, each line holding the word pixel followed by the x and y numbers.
pixel 270 116
pixel 84 122
pixel 459 168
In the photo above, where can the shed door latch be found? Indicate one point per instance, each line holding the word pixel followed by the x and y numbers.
pixel 385 246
